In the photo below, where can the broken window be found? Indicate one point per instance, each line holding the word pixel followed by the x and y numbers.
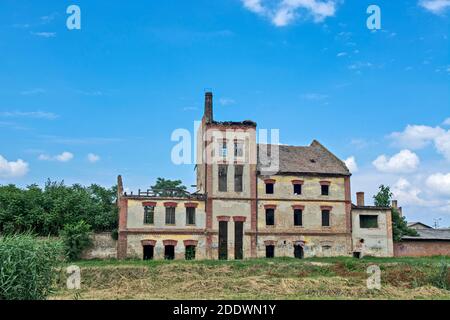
pixel 190 216
pixel 149 215
pixel 169 252
pixel 325 190
pixel 368 221
pixel 325 218
pixel 223 177
pixel 238 149
pixel 270 217
pixel 148 252
pixel 170 215
pixel 297 189
pixel 238 171
pixel 270 251
pixel 189 253
pixel 298 219
pixel 269 188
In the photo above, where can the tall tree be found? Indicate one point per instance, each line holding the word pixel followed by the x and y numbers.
pixel 399 224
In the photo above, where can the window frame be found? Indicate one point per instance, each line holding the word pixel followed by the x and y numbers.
pixel 327 188
pixel 170 211
pixel 222 171
pixel 148 214
pixel 270 212
pixel 190 212
pixel 239 178
pixel 326 212
pixel 371 216
pixel 300 213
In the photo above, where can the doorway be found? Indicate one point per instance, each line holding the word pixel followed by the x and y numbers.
pixel 223 240
pixel 238 239
pixel 298 251
pixel 148 252
pixel 169 252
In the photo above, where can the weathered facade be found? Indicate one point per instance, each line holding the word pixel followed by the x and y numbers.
pixel 252 200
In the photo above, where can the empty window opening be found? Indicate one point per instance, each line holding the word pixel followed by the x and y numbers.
pixel 238 149
pixel 297 189
pixel 169 252
pixel 190 216
pixel 325 190
pixel 238 171
pixel 298 219
pixel 170 215
pixel 368 221
pixel 298 251
pixel 270 251
pixel 270 217
pixel 223 169
pixel 189 253
pixel 149 215
pixel 269 188
pixel 148 252
pixel 325 218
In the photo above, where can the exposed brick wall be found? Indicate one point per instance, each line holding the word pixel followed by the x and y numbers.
pixel 421 248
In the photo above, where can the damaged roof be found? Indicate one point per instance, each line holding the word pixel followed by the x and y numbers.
pixel 312 159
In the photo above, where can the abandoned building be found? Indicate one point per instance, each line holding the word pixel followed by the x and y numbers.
pixel 253 200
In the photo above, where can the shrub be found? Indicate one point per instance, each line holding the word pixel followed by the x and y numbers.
pixel 76 237
pixel 27 267
pixel 440 277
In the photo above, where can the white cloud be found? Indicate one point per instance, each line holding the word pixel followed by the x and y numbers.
pixel 420 136
pixel 283 12
pixel 439 183
pixel 226 101
pixel 351 164
pixel 63 157
pixel 93 158
pixel 30 114
pixel 12 169
pixel 403 162
pixel 407 194
pixel 44 34
pixel 446 122
pixel 341 54
pixel 435 6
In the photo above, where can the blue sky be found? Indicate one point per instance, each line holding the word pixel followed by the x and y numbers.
pixel 86 105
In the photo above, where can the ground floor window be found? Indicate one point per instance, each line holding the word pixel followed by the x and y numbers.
pixel 270 251
pixel 148 252
pixel 169 252
pixel 190 253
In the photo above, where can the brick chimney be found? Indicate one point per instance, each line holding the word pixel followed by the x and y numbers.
pixel 360 199
pixel 394 204
pixel 208 107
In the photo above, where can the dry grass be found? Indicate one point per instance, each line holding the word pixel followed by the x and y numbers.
pixel 258 279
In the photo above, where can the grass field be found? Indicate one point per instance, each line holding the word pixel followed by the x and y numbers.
pixel 280 278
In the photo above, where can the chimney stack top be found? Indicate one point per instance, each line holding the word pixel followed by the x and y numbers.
pixel 360 199
pixel 208 107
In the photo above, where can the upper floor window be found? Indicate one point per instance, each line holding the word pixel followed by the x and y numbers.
pixel 325 188
pixel 368 221
pixel 270 216
pixel 238 172
pixel 238 149
pixel 270 184
pixel 149 215
pixel 170 215
pixel 223 149
pixel 298 217
pixel 223 170
pixel 325 218
pixel 190 216
pixel 297 189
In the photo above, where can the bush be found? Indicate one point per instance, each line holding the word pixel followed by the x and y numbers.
pixel 440 277
pixel 76 237
pixel 27 267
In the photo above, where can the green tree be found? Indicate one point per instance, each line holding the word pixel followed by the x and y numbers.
pixel 76 238
pixel 171 188
pixel 399 224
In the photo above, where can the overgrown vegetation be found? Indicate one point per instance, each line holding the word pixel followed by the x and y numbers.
pixel 399 224
pixel 46 211
pixel 278 278
pixel 166 187
pixel 76 238
pixel 27 267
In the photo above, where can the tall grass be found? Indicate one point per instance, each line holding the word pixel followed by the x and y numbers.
pixel 27 267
